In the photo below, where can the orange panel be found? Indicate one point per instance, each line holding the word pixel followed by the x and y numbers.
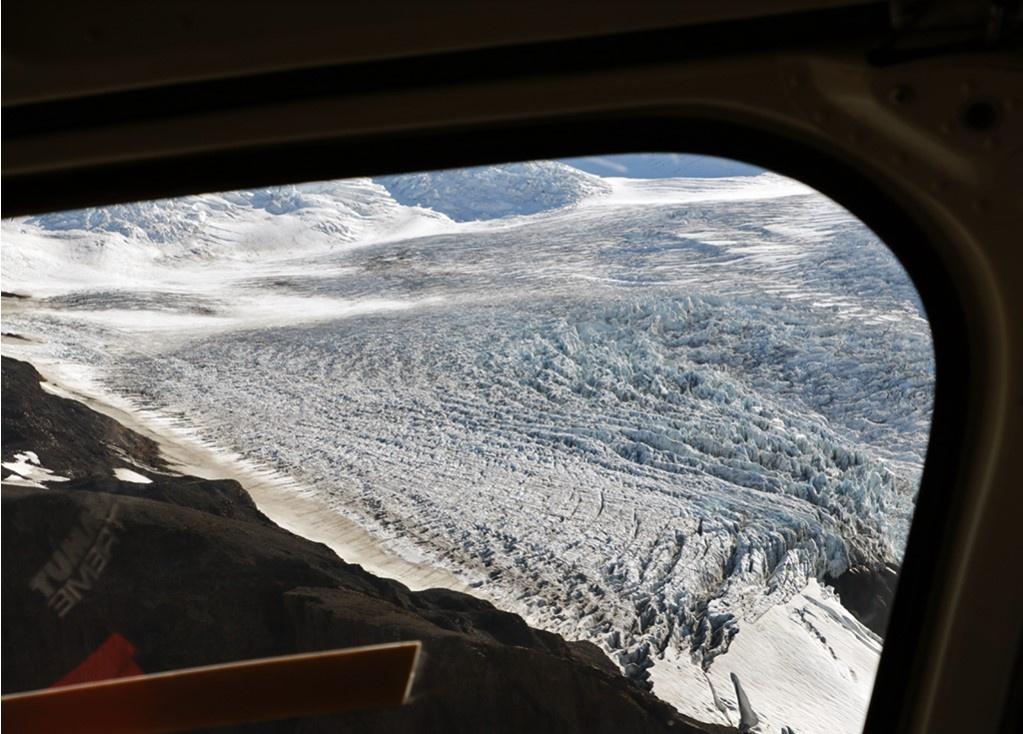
pixel 255 690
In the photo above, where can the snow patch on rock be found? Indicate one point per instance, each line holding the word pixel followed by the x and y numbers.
pixel 29 471
pixel 127 475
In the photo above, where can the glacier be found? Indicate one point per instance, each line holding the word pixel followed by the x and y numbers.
pixel 659 414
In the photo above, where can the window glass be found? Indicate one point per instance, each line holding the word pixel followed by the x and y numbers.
pixel 633 437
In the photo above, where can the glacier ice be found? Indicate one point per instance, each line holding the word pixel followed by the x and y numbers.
pixel 652 414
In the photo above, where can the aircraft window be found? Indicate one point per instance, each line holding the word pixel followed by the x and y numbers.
pixel 671 409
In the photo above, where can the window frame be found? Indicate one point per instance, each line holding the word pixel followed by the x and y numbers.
pixel 877 203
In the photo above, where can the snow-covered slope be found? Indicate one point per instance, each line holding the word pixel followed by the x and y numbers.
pixel 490 192
pixel 660 417
pixel 805 663
pixel 175 242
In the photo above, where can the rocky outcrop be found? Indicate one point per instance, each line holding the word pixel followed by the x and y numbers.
pixel 188 572
pixel 867 593
pixel 748 718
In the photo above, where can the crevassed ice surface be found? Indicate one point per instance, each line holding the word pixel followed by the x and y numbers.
pixel 659 414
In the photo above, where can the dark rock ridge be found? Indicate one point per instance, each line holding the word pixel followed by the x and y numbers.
pixel 189 572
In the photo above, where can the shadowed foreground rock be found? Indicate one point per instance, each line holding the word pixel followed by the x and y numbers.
pixel 189 572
